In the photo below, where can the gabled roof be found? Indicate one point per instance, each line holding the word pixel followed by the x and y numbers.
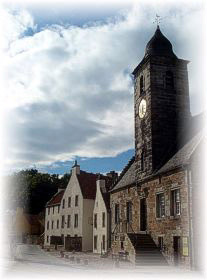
pixel 128 177
pixel 182 157
pixel 87 183
pixel 56 199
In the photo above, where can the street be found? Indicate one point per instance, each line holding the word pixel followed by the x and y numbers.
pixel 32 261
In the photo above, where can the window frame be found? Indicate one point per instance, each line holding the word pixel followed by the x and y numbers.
pixel 160 205
pixel 62 221
pixel 95 242
pixel 76 221
pixel 69 201
pixel 69 221
pixel 76 200
pixel 103 219
pixel 95 220
pixel 175 203
pixel 141 85
pixel 116 213
pixel 129 211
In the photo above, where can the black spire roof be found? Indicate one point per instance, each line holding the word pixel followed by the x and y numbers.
pixel 159 45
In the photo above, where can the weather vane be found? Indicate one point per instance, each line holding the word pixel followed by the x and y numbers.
pixel 157 19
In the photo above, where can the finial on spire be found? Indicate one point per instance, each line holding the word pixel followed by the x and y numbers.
pixel 157 20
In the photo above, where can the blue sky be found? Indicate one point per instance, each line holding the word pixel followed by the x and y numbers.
pixel 67 83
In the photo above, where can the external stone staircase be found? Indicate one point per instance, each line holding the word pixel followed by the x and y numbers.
pixel 147 253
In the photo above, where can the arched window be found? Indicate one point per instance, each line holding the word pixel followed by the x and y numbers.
pixel 169 80
pixel 141 84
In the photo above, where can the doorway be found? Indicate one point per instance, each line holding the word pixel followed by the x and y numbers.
pixel 143 214
pixel 176 247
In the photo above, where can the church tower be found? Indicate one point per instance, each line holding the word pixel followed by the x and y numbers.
pixel 162 107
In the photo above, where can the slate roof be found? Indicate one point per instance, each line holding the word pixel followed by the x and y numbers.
pixel 56 199
pixel 128 177
pixel 181 158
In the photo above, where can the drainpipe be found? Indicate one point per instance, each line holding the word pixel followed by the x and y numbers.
pixel 190 206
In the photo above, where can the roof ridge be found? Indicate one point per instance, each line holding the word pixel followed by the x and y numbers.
pixel 125 169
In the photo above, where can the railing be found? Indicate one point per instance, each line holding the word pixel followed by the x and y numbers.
pixel 123 227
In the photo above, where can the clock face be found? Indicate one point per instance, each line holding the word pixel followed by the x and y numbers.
pixel 142 108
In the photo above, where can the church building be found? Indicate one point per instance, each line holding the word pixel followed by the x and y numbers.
pixel 151 203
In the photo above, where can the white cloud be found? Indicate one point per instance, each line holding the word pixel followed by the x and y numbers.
pixel 68 89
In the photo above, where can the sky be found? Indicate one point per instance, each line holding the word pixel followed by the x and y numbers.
pixel 67 84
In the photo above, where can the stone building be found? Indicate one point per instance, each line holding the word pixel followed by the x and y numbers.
pixel 151 204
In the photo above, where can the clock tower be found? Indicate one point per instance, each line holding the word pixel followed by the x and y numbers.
pixel 161 104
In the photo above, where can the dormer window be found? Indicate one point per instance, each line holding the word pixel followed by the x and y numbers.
pixel 169 80
pixel 141 85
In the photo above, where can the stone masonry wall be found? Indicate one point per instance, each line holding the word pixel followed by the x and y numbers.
pixel 165 227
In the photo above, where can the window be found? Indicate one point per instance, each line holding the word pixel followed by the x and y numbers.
pixel 95 242
pixel 63 221
pixel 95 220
pixel 129 212
pixel 169 81
pixel 175 203
pixel 48 225
pixel 103 219
pixel 116 213
pixel 68 222
pixel 63 203
pixel 141 84
pixel 58 208
pixel 76 221
pixel 69 202
pixel 52 224
pixel 47 238
pixel 57 223
pixel 48 210
pixel 103 242
pixel 160 205
pixel 76 200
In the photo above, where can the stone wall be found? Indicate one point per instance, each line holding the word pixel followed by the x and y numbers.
pixel 167 226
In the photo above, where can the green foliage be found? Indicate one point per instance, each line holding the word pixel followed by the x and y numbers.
pixel 31 189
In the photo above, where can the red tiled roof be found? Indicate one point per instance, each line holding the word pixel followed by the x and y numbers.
pixel 56 199
pixel 87 183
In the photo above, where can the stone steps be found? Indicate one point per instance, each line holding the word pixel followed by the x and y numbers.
pixel 147 253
